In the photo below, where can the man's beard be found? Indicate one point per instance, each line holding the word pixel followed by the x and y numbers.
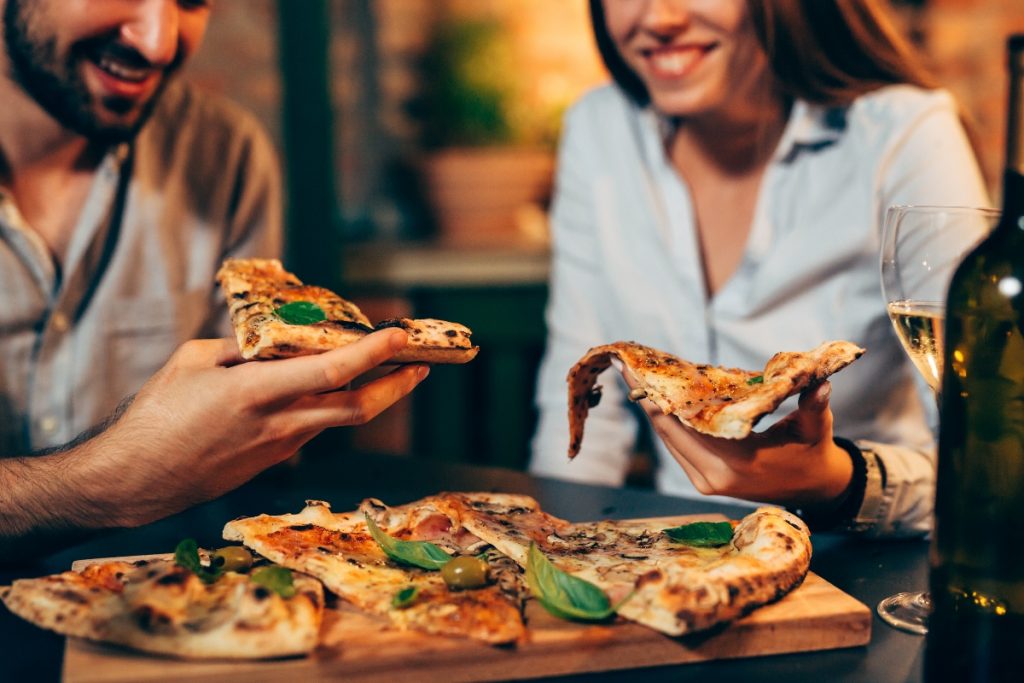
pixel 57 86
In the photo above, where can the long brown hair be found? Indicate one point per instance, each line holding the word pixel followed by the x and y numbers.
pixel 824 51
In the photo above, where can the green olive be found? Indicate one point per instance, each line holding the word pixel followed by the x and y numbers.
pixel 231 558
pixel 465 572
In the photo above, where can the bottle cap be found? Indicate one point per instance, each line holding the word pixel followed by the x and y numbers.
pixel 1015 49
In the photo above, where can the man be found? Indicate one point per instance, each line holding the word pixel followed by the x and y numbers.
pixel 121 192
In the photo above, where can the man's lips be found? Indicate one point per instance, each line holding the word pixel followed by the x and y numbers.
pixel 666 63
pixel 120 79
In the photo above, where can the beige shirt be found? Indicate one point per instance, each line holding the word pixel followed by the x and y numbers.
pixel 198 184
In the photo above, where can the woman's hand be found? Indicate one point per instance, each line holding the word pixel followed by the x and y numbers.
pixel 794 462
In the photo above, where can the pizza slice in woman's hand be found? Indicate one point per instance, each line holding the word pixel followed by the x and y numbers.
pixel 721 402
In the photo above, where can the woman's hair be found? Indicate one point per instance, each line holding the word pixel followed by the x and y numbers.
pixel 824 51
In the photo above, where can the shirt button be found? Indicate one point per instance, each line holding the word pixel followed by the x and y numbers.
pixel 48 424
pixel 60 322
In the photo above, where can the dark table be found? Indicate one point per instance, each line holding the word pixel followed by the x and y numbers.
pixel 868 570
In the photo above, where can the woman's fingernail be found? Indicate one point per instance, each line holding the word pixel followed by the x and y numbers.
pixel 422 371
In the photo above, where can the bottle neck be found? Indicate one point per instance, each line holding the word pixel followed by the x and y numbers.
pixel 1013 198
pixel 1013 179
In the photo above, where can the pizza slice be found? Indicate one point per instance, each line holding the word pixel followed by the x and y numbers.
pixel 339 549
pixel 670 586
pixel 275 315
pixel 159 606
pixel 722 402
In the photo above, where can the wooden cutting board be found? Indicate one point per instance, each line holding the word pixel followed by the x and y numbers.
pixel 361 647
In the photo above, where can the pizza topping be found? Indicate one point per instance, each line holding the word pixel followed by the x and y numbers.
pixel 276 578
pixel 420 554
pixel 564 595
pixel 231 558
pixel 465 572
pixel 404 597
pixel 186 555
pixel 701 534
pixel 300 313
pixel 759 379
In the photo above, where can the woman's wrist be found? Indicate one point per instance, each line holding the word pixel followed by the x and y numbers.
pixel 838 509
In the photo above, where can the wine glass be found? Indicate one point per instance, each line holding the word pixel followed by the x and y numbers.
pixel 921 248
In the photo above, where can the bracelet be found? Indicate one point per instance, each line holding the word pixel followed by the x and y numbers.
pixel 843 516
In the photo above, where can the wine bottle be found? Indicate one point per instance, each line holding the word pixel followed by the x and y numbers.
pixel 976 631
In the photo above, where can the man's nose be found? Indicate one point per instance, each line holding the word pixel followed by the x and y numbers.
pixel 153 31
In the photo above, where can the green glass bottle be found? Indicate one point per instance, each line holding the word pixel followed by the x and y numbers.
pixel 976 630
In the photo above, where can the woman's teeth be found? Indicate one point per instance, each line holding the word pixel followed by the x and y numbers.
pixel 675 62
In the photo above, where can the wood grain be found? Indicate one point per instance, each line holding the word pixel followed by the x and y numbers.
pixel 361 647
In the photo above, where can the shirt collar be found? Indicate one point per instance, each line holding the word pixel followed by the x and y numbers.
pixel 810 127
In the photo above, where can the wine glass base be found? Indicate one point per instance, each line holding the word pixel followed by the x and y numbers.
pixel 907 611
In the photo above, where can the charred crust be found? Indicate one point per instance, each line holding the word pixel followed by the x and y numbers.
pixel 173 579
pixel 648 577
pixel 260 593
pixel 150 619
pixel 346 325
pixel 240 295
pixel 393 322
pixel 301 527
pixel 71 596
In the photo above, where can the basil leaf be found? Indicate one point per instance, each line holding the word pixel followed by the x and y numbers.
pixel 564 595
pixel 405 597
pixel 701 534
pixel 186 555
pixel 756 380
pixel 420 554
pixel 276 578
pixel 300 313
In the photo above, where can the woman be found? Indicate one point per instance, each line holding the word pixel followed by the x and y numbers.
pixel 722 201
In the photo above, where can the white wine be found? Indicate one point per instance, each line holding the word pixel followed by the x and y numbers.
pixel 919 327
pixel 976 629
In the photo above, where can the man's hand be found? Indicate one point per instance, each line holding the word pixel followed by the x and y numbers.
pixel 203 425
pixel 794 462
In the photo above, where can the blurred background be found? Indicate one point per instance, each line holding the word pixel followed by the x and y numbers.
pixel 417 138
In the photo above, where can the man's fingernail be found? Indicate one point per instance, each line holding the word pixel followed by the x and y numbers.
pixel 422 371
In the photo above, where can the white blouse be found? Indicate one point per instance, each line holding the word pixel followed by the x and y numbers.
pixel 627 266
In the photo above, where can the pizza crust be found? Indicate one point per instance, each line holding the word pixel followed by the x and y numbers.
pixel 722 402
